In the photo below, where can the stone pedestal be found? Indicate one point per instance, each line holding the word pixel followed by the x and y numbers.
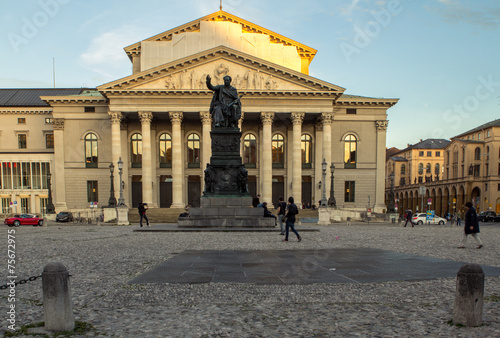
pixel 122 215
pixel 226 201
pixel 109 214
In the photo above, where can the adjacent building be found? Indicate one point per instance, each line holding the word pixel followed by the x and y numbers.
pixel 156 121
pixel 443 175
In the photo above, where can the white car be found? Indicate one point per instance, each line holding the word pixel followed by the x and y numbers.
pixel 422 219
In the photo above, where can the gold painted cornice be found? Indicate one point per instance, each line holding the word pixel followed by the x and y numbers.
pixel 247 26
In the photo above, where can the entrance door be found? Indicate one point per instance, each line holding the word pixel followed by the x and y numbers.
pixel 278 189
pixel 165 194
pixel 252 185
pixel 194 191
pixel 136 193
pixel 306 190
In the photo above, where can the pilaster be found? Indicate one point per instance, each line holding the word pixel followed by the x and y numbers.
pixel 267 159
pixel 327 120
pixel 58 180
pixel 177 160
pixel 379 205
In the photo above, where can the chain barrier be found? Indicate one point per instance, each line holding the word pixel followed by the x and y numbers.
pixel 22 281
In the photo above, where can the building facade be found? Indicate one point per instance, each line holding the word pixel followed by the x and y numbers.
pixel 157 122
pixel 470 172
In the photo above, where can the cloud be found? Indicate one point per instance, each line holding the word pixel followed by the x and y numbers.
pixel 105 54
pixel 455 12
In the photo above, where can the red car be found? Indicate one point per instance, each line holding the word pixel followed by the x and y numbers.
pixel 24 219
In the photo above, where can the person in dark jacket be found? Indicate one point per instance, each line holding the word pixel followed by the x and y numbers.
pixel 142 212
pixel 471 226
pixel 292 210
pixel 281 214
pixel 409 215
pixel 267 213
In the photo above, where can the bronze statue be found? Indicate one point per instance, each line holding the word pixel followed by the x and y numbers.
pixel 225 107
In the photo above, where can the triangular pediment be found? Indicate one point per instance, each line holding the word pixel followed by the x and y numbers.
pixel 248 72
pixel 247 27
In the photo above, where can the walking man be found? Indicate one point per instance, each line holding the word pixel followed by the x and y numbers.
pixel 471 226
pixel 142 212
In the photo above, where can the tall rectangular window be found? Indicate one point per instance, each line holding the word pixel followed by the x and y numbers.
pixel 45 171
pixel 49 141
pixel 16 175
pixel 349 191
pixel 43 204
pixel 92 192
pixel 438 153
pixel 429 153
pixel 6 205
pixel 21 140
pixel 26 175
pixel 7 175
pixel 35 175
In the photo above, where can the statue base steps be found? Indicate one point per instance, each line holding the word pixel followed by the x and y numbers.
pixel 226 211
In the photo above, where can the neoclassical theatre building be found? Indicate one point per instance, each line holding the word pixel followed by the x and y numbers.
pixel 157 122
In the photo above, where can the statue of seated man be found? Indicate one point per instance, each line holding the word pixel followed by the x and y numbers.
pixel 225 107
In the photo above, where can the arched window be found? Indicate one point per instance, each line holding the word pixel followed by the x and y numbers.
pixel 477 154
pixel 136 150
pixel 165 151
pixel 350 148
pixel 91 150
pixel 250 151
pixel 420 169
pixel 306 148
pixel 193 154
pixel 403 169
pixel 428 168
pixel 436 169
pixel 278 149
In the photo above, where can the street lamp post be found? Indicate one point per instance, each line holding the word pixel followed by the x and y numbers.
pixel 50 205
pixel 390 207
pixel 112 198
pixel 323 200
pixel 121 200
pixel 331 200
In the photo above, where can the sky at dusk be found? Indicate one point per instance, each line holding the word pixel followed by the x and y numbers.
pixel 439 57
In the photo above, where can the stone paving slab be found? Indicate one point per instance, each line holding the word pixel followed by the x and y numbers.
pixel 362 265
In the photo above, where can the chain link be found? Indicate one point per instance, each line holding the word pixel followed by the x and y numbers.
pixel 22 281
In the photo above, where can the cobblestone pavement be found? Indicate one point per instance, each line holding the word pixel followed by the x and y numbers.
pixel 102 260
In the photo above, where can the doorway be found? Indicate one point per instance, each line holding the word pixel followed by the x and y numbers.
pixel 136 190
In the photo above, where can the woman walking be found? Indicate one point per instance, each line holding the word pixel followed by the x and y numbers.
pixel 292 210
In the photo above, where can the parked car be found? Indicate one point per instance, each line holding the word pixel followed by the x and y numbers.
pixel 64 216
pixel 23 219
pixel 422 219
pixel 486 216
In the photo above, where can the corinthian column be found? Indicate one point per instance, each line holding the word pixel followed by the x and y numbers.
pixel 318 158
pixel 327 119
pixel 177 162
pixel 147 165
pixel 206 126
pixel 380 165
pixel 116 146
pixel 267 158
pixel 297 119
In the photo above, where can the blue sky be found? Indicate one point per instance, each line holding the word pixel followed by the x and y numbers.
pixel 439 57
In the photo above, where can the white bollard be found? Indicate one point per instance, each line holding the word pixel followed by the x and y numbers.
pixel 469 295
pixel 57 304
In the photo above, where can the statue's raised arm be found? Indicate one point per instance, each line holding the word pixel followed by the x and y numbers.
pixel 209 83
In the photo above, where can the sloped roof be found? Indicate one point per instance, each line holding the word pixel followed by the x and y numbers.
pixel 247 26
pixel 398 159
pixel 494 123
pixel 430 143
pixel 19 97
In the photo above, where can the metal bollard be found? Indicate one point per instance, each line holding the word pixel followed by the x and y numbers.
pixel 57 304
pixel 468 309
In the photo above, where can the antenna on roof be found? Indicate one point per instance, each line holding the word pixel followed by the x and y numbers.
pixel 220 5
pixel 54 70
